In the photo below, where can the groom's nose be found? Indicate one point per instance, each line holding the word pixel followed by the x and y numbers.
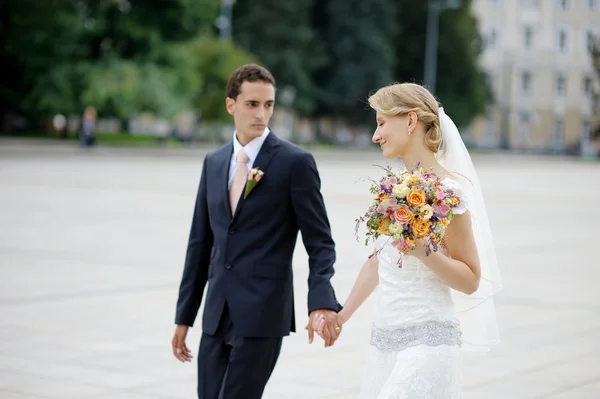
pixel 260 113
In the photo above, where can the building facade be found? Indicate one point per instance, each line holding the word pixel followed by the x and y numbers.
pixel 538 63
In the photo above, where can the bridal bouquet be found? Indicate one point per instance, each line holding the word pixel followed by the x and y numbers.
pixel 410 206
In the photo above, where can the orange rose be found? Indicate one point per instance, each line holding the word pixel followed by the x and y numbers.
pixel 384 226
pixel 403 215
pixel 383 196
pixel 420 227
pixel 416 197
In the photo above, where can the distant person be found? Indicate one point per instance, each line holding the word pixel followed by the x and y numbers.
pixel 59 123
pixel 88 128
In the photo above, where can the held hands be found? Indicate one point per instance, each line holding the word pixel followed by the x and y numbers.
pixel 327 324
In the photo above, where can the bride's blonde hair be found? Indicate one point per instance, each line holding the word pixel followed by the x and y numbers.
pixel 401 98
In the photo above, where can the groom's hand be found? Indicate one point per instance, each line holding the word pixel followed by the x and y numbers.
pixel 180 349
pixel 324 321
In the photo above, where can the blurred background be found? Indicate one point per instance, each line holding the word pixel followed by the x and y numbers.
pixel 517 75
pixel 92 243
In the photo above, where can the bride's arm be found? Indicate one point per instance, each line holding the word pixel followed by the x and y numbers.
pixel 461 270
pixel 365 284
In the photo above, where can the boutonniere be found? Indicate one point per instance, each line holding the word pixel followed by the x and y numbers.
pixel 254 177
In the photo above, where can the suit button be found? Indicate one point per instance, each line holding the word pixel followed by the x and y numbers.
pixel 232 232
pixel 228 266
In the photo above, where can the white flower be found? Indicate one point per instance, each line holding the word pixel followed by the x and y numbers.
pixel 395 228
pixel 400 190
pixel 427 211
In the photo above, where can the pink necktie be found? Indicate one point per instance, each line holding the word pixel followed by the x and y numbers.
pixel 239 179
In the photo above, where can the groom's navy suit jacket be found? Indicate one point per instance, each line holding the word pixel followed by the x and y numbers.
pixel 246 258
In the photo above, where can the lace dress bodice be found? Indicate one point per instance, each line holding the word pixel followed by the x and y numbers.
pixel 412 305
pixel 409 294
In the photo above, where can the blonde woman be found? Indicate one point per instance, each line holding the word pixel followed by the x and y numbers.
pixel 436 305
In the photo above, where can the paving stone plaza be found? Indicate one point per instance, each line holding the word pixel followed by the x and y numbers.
pixel 92 246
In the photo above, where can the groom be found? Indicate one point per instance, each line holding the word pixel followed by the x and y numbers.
pixel 241 243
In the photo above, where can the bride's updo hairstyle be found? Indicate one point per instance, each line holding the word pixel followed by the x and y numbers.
pixel 399 99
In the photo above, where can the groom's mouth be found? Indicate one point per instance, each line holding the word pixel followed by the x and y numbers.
pixel 258 126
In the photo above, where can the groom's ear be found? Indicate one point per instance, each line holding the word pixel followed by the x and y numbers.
pixel 229 103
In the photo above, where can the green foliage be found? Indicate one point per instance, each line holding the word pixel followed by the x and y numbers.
pixel 214 60
pixel 465 93
pixel 123 88
pixel 121 56
pixel 461 86
pixel 360 39
pixel 279 33
pixel 128 56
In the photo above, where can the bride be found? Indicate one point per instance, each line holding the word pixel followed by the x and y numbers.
pixel 435 305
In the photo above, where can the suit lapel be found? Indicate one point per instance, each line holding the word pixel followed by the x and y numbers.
pixel 262 161
pixel 224 166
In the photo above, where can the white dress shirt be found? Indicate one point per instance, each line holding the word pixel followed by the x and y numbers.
pixel 251 149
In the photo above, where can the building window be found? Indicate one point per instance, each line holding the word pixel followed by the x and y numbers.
pixel 525 128
pixel 586 130
pixel 490 130
pixel 489 80
pixel 491 39
pixel 592 5
pixel 558 133
pixel 588 86
pixel 563 40
pixel 590 41
pixel 561 85
pixel 531 4
pixel 528 37
pixel 526 82
pixel 564 4
pixel 495 3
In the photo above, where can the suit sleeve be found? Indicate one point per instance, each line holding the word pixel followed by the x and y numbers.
pixel 197 259
pixel 311 216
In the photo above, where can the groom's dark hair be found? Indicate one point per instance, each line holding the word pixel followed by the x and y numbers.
pixel 247 73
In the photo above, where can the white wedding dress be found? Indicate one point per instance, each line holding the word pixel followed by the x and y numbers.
pixel 416 337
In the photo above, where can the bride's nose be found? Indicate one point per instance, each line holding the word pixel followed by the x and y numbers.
pixel 376 137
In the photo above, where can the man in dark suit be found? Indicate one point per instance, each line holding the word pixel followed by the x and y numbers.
pixel 255 194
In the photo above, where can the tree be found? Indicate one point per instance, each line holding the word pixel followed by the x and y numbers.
pixel 122 56
pixel 214 60
pixel 35 36
pixel 280 35
pixel 461 85
pixel 360 39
